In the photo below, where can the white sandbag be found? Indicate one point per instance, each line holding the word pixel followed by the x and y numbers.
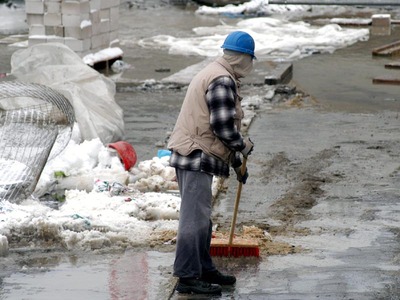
pixel 90 93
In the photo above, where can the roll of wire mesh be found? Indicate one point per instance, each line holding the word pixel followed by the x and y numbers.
pixel 35 126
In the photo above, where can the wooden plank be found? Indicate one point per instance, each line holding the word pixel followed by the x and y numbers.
pixel 306 2
pixel 386 80
pixel 387 50
pixel 393 65
pixel 220 3
pixel 338 2
pixel 351 22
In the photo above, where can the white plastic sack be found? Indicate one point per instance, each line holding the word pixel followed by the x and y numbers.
pixel 90 93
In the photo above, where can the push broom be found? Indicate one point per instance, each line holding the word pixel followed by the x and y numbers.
pixel 239 247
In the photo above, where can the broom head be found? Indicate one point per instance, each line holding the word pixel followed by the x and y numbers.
pixel 239 247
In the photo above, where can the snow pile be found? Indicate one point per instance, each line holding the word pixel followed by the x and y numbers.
pixel 93 217
pixel 91 221
pixel 80 166
pixel 103 55
pixel 254 7
pixel 276 39
pixel 103 205
pixel 154 175
pixel 263 8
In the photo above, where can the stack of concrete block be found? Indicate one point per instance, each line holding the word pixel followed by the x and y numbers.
pixel 381 20
pixel 381 24
pixel 85 26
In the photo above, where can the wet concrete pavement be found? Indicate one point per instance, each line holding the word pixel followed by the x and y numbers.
pixel 351 244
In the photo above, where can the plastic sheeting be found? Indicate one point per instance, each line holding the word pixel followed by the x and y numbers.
pixel 89 92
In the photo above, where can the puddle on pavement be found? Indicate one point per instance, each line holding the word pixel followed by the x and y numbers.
pixel 130 275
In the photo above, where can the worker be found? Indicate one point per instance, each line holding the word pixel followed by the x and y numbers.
pixel 206 142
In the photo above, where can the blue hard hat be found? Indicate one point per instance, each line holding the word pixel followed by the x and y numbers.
pixel 239 41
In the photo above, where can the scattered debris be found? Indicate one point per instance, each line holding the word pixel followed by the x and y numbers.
pixel 163 70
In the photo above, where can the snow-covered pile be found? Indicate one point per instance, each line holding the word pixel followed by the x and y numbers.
pixel 254 7
pixel 276 39
pixel 154 175
pixel 264 8
pixel 91 220
pixel 104 204
pixel 101 207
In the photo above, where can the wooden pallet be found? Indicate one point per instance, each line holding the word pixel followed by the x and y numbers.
pixel 387 50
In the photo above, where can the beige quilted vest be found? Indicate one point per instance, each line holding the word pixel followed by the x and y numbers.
pixel 192 129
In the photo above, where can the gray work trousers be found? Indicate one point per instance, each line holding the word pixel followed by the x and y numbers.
pixel 192 256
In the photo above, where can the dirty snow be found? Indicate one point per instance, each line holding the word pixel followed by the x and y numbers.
pixel 277 37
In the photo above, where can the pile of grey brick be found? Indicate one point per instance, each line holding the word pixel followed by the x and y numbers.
pixel 85 26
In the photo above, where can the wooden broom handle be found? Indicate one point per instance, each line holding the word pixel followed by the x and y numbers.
pixel 237 200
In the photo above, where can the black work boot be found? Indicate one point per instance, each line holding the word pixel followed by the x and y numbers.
pixel 197 286
pixel 218 278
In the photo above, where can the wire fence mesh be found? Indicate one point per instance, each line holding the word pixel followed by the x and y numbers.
pixel 35 125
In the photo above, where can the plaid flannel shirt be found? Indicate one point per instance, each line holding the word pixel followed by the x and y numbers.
pixel 221 104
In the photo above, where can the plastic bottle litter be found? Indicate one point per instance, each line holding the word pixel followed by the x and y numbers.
pixel 78 217
pixel 101 185
pixel 113 188
pixel 163 152
pixel 116 189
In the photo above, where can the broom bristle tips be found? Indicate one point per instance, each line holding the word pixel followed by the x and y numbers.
pixel 234 251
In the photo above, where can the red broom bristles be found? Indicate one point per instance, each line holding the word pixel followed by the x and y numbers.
pixel 235 251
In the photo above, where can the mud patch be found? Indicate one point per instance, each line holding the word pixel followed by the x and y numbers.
pixel 163 238
pixel 278 164
pixel 267 244
pixel 305 187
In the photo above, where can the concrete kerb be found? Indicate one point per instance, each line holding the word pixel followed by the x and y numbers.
pixel 264 73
